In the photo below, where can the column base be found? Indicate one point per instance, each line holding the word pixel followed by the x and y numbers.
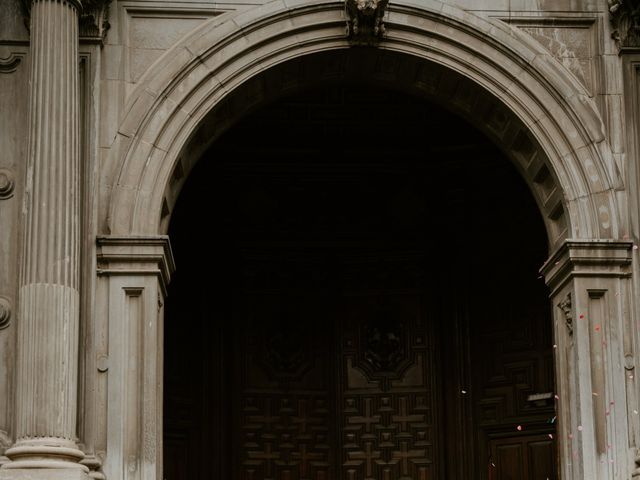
pixel 45 453
pixel 43 474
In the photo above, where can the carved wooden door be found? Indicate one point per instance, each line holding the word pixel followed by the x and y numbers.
pixel 336 385
pixel 367 312
pixel 362 370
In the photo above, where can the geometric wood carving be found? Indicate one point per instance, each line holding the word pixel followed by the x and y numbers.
pixel 387 409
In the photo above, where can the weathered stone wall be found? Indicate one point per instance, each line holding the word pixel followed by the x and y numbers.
pixel 117 65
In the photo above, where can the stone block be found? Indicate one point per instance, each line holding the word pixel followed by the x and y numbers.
pixel 138 108
pixel 249 16
pixel 152 32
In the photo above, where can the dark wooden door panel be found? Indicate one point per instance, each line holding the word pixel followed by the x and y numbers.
pixel 176 453
pixel 307 384
pixel 283 417
pixel 387 378
pixel 336 386
pixel 542 459
pixel 511 366
pixel 509 461
pixel 522 457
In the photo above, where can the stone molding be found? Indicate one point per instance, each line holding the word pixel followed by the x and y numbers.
pixel 5 442
pixel 595 258
pixel 94 464
pixel 10 64
pixel 50 474
pixel 5 312
pixel 7 184
pixel 136 255
pixel 624 16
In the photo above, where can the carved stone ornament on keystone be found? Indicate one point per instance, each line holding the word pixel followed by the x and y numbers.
pixel 365 20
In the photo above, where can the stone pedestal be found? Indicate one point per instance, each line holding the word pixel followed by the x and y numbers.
pixel 47 474
pixel 47 320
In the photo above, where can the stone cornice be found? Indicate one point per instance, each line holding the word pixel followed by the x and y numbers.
pixel 136 255
pixel 587 258
pixel 625 20
pixel 93 19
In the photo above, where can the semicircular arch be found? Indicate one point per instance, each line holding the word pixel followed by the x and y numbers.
pixel 486 70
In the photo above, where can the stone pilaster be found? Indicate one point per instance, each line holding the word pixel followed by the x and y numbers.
pixel 595 358
pixel 133 273
pixel 47 320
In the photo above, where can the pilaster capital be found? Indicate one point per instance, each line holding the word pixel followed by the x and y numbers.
pixel 625 21
pixel 587 258
pixel 136 255
pixel 94 21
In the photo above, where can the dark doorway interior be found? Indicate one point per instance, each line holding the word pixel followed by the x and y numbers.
pixel 357 297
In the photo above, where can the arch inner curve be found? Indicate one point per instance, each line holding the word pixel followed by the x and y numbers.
pixel 406 73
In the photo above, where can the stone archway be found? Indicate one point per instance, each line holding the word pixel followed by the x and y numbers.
pixel 543 119
pixel 175 96
pixel 403 72
pixel 325 205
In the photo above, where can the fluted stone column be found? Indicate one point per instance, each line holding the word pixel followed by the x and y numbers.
pixel 47 360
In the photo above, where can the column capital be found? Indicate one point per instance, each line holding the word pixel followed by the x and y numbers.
pixel 139 255
pixel 587 258
pixel 93 18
